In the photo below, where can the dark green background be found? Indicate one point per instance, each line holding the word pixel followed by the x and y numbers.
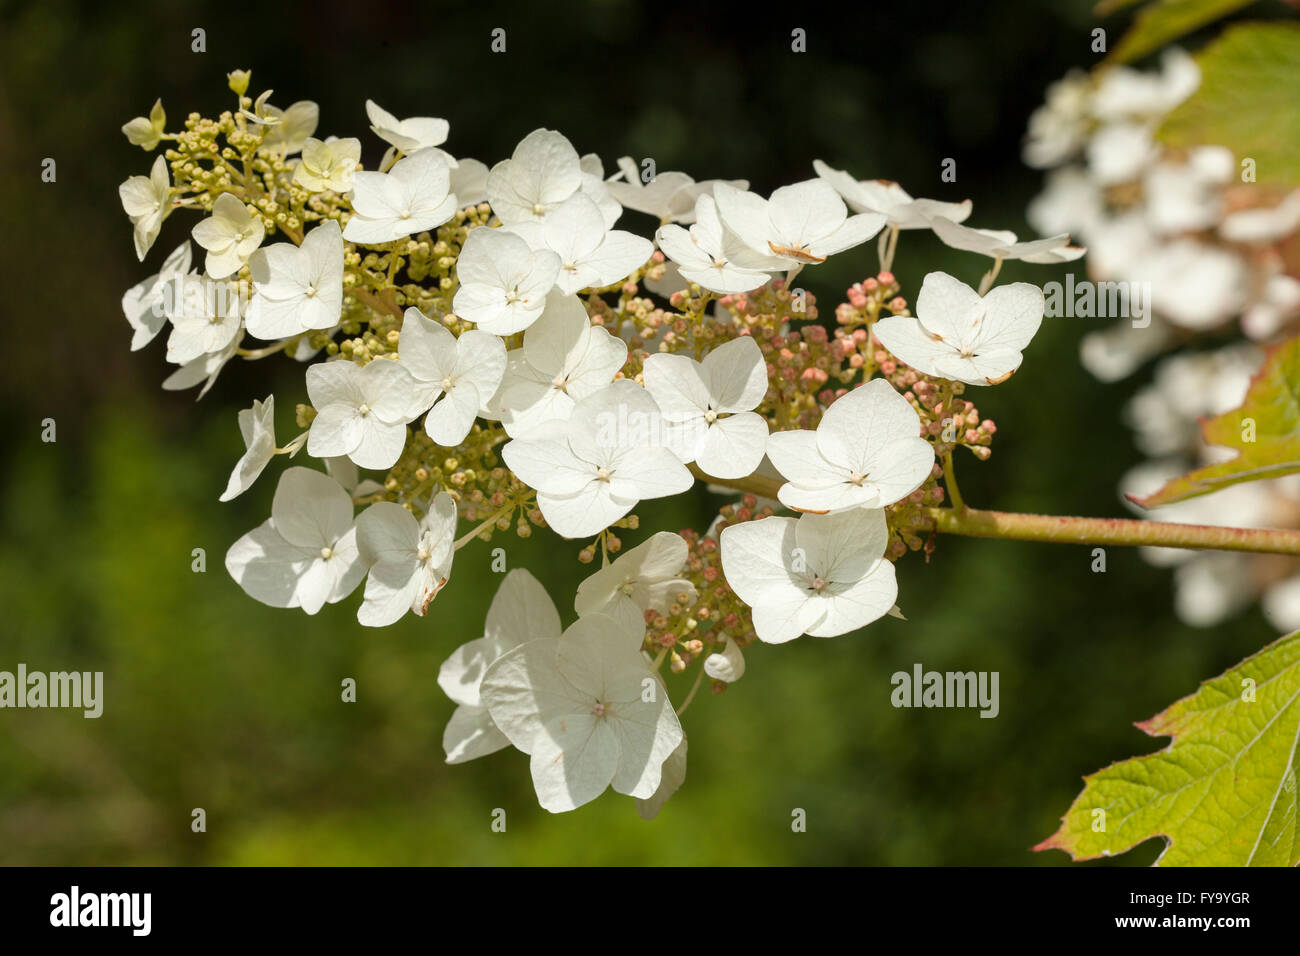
pixel 215 701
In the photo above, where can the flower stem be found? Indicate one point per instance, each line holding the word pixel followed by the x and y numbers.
pixel 1121 532
pixel 950 479
pixel 694 687
pixel 1117 531
pixel 484 525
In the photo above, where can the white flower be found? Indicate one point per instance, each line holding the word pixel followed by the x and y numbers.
pixel 464 372
pixel 890 200
pixel 414 196
pixel 205 317
pixel 816 575
pixel 409 135
pixel 543 172
pixel 289 129
pixel 593 469
pixel 669 197
pixel 203 369
pixel 1070 202
pixel 712 404
pixel 328 166
pixel 230 235
pixel 588 709
pixel 711 255
pixel 147 132
pixel 144 304
pixel 503 283
pixel 297 288
pixel 591 255
pixel 644 577
pixel 145 200
pixel 521 611
pixel 409 560
pixel 564 358
pixel 727 666
pixel 800 224
pixel 257 425
pixel 1125 93
pixel 866 451
pixel 361 411
pixel 1001 244
pixel 305 554
pixel 958 334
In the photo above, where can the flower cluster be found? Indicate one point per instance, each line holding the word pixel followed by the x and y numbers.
pixel 491 347
pixel 1215 249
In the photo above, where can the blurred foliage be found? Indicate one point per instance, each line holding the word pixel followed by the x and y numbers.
pixel 215 701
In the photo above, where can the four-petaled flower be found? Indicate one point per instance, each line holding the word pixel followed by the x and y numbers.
pixel 711 405
pixel 297 288
pixel 820 575
pixel 230 235
pixel 305 554
pixel 867 450
pixel 644 577
pixel 414 196
pixel 145 199
pixel 463 372
pixel 800 224
pixel 960 335
pixel 361 411
pixel 503 283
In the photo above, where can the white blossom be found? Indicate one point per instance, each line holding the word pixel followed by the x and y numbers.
pixel 145 200
pixel 593 469
pixel 816 575
pixel 711 255
pixel 414 196
pixel 297 288
pixel 230 235
pixel 728 665
pixel 503 283
pixel 960 335
pixel 711 405
pixel 800 224
pixel 328 166
pixel 588 710
pixel 563 359
pixel 409 135
pixel 409 560
pixel 289 129
pixel 543 172
pixel 645 577
pixel 460 374
pixel 890 200
pixel 361 411
pixel 591 254
pixel 867 450
pixel 257 425
pixel 669 196
pixel 305 554
pixel 147 132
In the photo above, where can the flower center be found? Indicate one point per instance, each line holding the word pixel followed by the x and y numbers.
pixel 818 584
pixel 363 409
pixel 857 478
pixel 601 709
pixel 539 209
pixel 326 553
pixel 422 554
pixel 602 473
pixel 447 384
pixel 710 416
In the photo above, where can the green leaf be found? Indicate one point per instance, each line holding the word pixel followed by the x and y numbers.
pixel 1270 416
pixel 1223 793
pixel 1247 100
pixel 1164 21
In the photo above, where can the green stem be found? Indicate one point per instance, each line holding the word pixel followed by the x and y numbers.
pixel 1121 532
pixel 950 479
